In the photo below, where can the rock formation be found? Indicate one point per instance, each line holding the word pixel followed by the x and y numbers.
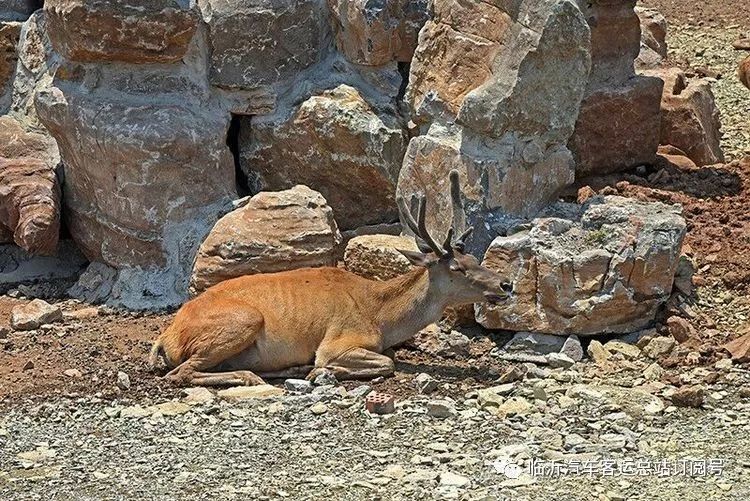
pixel 274 231
pixel 618 126
pixel 376 256
pixel 602 267
pixel 496 101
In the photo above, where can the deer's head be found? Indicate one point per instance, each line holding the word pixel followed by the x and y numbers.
pixel 457 274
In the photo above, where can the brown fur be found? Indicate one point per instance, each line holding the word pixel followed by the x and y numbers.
pixel 280 324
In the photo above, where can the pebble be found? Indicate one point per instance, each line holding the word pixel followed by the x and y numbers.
pixel 74 373
pixel 441 409
pixel 360 391
pixel 688 396
pixel 123 380
pixel 425 383
pixel 559 360
pixel 454 479
pixel 629 351
pixel 597 352
pixel 249 392
pixel 572 348
pixel 319 408
pixel 659 346
pixel 325 378
pixel 298 385
pixel 198 395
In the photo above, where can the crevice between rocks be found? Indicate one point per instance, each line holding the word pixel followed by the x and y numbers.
pixel 233 142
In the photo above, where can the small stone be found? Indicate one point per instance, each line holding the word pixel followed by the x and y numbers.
pixel 572 348
pixel 425 383
pixel 74 373
pixel 99 475
pixel 539 392
pixel 688 396
pixel 169 408
pixel 654 407
pixel 453 479
pixel 250 392
pixel 34 314
pixel 440 409
pixel 653 372
pixel 723 364
pixel 514 406
pixel 495 395
pixel 628 351
pixel 514 373
pixel 534 343
pixel 123 380
pixel 559 360
pixel 319 408
pixel 380 403
pixel 680 329
pixel 325 378
pixel 28 365
pixel 4 331
pixel 134 411
pixel 82 314
pixel 724 486
pixel 198 395
pixel 298 385
pixel 360 391
pixel 597 352
pixel 454 344
pixel 659 346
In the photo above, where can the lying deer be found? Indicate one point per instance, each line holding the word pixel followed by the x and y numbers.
pixel 278 324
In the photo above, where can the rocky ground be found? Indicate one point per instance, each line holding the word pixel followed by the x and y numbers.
pixel 82 418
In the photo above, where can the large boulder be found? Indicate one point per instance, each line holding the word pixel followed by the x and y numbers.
pixel 604 267
pixel 29 189
pixel 690 117
pixel 144 181
pixel 618 126
pixel 376 33
pixel 133 31
pixel 336 143
pixel 274 231
pixel 496 101
pixel 258 43
pixel 653 38
pixel 377 257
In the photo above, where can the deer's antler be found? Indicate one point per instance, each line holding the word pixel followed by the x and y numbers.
pixel 425 242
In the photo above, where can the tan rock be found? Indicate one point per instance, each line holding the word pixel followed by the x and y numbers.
pixel 598 352
pixel 605 266
pixel 659 346
pixel 29 189
pixel 31 315
pixel 628 351
pixel 336 143
pixel 275 231
pixel 261 391
pixel 376 256
pixel 137 31
pixel 377 33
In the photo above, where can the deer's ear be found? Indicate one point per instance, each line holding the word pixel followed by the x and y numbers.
pixel 418 258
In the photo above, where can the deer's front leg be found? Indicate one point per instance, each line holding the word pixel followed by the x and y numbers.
pixel 357 363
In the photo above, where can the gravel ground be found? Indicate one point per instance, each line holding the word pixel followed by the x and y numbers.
pixel 325 444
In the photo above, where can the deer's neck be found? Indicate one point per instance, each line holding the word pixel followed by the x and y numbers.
pixel 405 305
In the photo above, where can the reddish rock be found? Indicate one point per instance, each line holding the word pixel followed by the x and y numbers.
pixel 584 193
pixel 739 348
pixel 653 38
pixel 689 116
pixel 137 31
pixel 618 125
pixel 688 396
pixel 680 329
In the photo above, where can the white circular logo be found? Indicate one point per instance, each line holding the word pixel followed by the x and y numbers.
pixel 507 467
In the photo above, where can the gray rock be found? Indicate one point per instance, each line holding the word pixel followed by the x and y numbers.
pixel 325 378
pixel 572 348
pixel 559 360
pixel 580 269
pixel 441 408
pixel 425 383
pixel 123 380
pixel 535 343
pixel 298 385
pixel 360 391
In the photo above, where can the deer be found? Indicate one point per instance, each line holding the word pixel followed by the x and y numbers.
pixel 313 320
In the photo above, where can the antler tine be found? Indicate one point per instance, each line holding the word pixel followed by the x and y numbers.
pixel 460 242
pixel 406 214
pixel 423 228
pixel 457 205
pixel 448 240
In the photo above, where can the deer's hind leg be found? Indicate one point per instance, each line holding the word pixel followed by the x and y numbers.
pixel 222 334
